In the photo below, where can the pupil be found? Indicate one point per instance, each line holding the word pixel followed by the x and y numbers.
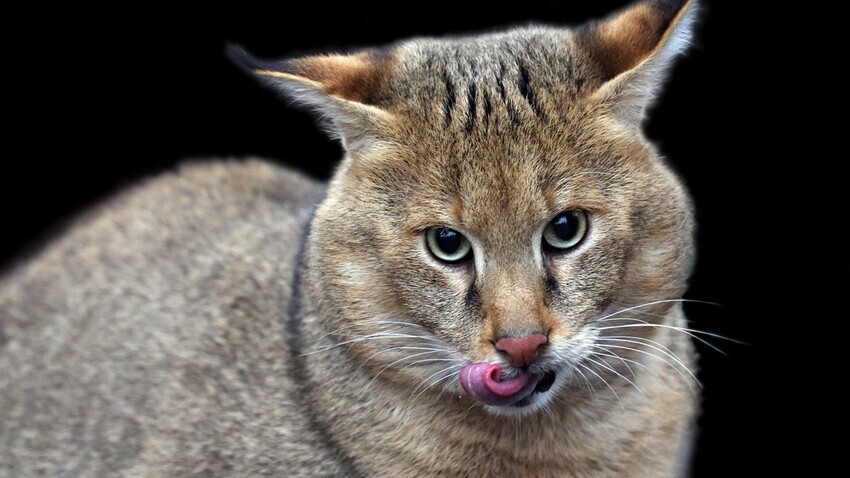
pixel 448 240
pixel 565 226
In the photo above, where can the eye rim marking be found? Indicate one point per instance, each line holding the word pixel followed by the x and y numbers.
pixel 565 246
pixel 444 258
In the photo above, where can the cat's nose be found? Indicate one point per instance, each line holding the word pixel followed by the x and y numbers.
pixel 522 351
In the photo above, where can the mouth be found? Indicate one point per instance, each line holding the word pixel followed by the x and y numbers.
pixel 484 382
pixel 543 386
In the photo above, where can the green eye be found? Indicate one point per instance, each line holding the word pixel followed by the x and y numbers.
pixel 447 244
pixel 565 231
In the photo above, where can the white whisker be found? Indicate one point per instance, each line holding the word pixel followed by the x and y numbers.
pixel 625 361
pixel 682 375
pixel 400 323
pixel 397 323
pixel 548 410
pixel 451 372
pixel 587 381
pixel 391 364
pixel 690 332
pixel 336 331
pixel 653 345
pixel 374 336
pixel 608 367
pixel 467 411
pixel 428 361
pixel 605 382
pixel 655 302
pixel 429 378
pixel 400 347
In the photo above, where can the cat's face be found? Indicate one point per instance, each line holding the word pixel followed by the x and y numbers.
pixel 497 142
pixel 501 195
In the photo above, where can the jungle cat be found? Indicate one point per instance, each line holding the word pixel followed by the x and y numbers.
pixel 489 285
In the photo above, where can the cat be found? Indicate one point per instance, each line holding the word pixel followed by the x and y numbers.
pixel 489 285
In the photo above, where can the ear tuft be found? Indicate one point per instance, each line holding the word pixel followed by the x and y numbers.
pixel 252 64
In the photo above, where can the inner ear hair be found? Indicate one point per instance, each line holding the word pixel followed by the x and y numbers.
pixel 359 77
pixel 636 34
pixel 633 50
pixel 622 42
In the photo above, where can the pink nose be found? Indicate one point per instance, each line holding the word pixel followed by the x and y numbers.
pixel 522 351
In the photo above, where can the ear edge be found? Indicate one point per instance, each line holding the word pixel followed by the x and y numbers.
pixel 248 62
pixel 346 119
pixel 628 93
pixel 631 38
pixel 358 77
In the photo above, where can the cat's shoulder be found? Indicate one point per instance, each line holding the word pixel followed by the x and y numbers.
pixel 205 197
pixel 196 229
pixel 240 182
pixel 248 176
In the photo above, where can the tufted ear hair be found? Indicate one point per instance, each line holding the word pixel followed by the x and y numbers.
pixel 345 90
pixel 633 51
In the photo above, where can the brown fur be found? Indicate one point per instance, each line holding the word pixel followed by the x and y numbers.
pixel 621 44
pixel 176 330
pixel 356 78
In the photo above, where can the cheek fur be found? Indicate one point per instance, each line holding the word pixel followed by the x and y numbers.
pixel 433 295
pixel 587 281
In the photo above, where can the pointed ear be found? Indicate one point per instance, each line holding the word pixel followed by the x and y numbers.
pixel 633 51
pixel 345 90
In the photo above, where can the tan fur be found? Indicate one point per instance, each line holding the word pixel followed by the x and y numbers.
pixel 622 43
pixel 355 78
pixel 161 336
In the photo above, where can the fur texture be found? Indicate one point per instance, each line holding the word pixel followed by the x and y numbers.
pixel 210 322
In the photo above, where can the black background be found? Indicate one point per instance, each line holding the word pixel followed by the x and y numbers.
pixel 102 97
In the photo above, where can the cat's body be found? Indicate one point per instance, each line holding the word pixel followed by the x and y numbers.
pixel 160 374
pixel 193 326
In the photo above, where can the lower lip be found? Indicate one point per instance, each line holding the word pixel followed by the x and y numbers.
pixel 543 386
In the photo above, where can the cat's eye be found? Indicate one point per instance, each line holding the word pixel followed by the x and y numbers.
pixel 565 231
pixel 448 245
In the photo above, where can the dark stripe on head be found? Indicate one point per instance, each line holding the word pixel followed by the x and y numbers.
pixel 579 84
pixel 512 112
pixel 449 104
pixel 472 98
pixel 526 91
pixel 488 109
pixel 500 85
pixel 500 82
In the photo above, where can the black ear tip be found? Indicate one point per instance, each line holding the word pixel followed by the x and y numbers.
pixel 252 64
pixel 672 6
pixel 240 56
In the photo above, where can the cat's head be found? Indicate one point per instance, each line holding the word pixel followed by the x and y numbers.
pixel 497 200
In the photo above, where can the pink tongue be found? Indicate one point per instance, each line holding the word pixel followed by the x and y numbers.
pixel 483 381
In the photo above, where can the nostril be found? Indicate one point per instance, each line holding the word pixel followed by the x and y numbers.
pixel 522 351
